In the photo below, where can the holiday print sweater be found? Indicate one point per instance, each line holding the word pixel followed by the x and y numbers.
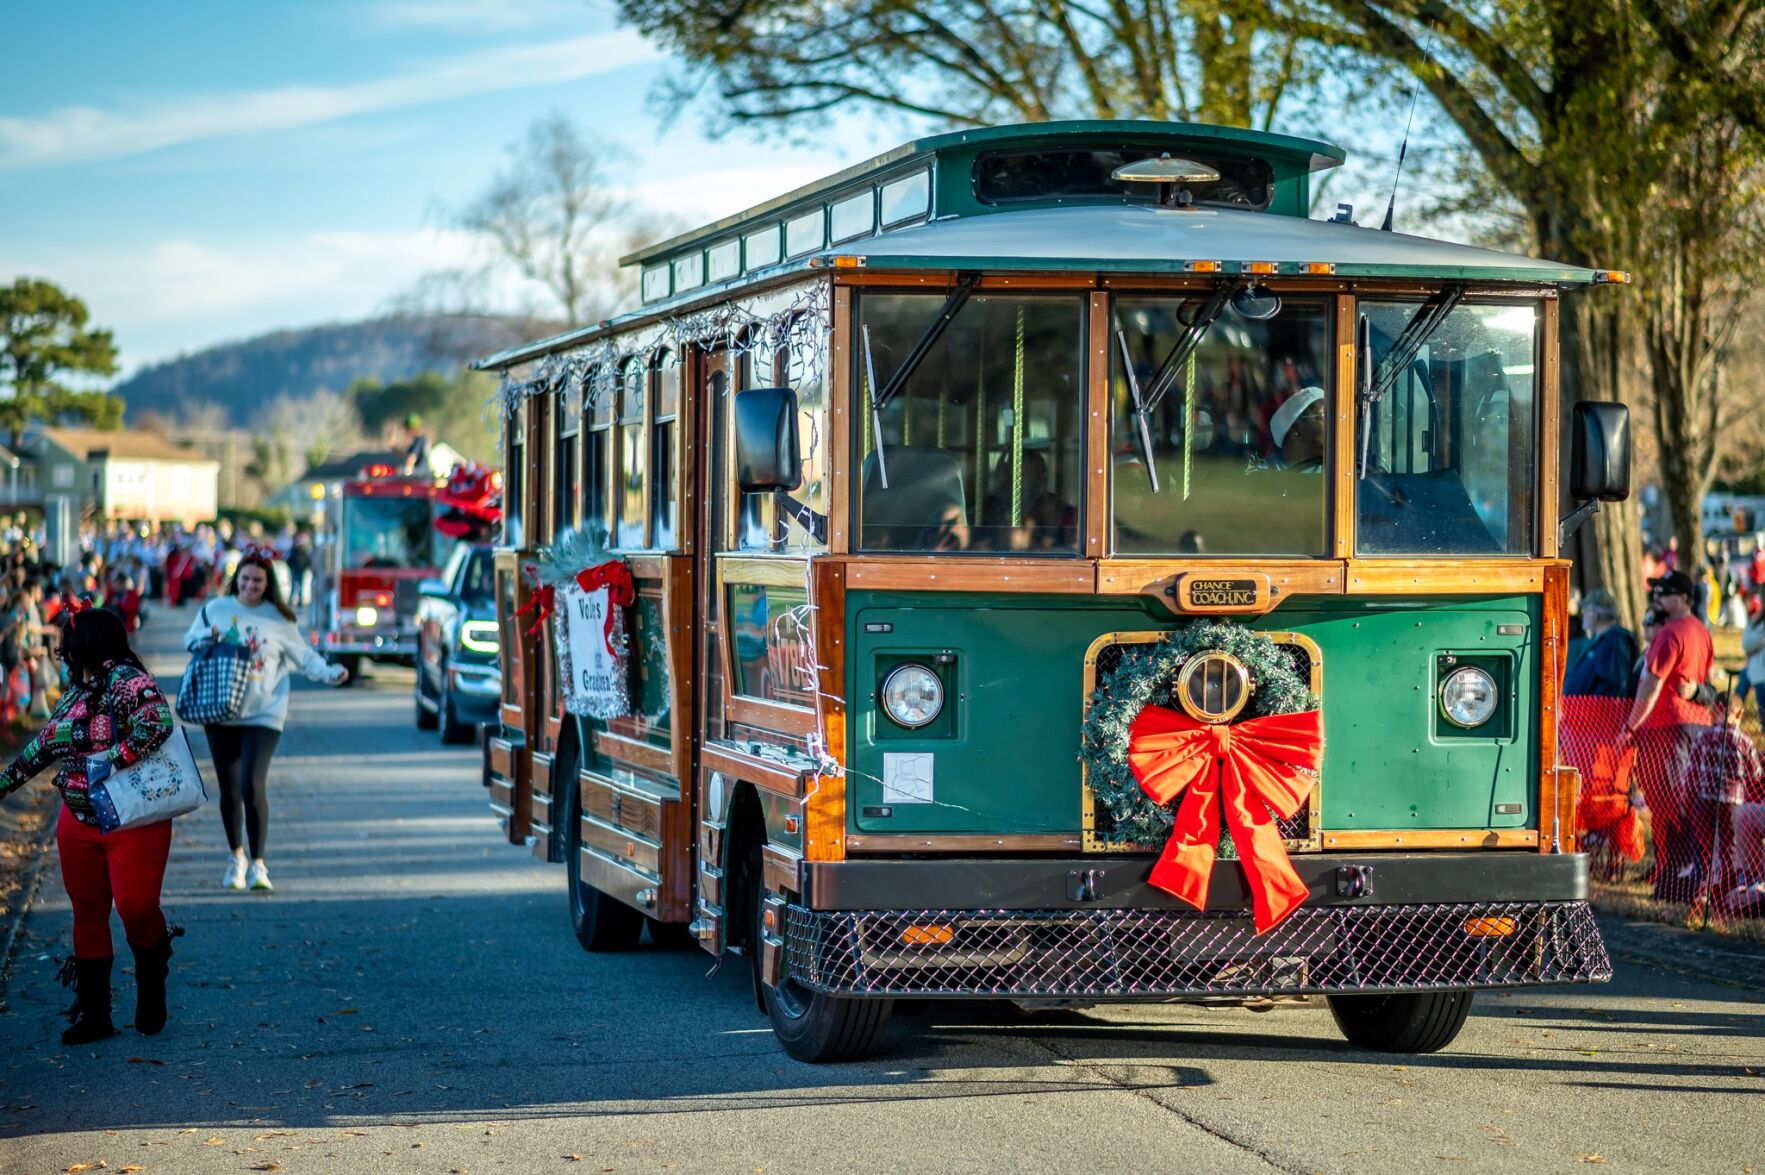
pixel 124 722
pixel 276 650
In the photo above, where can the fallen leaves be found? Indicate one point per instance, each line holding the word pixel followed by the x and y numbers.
pixel 1592 1157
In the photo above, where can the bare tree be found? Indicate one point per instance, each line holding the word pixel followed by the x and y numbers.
pixel 555 215
pixel 976 62
pixel 301 432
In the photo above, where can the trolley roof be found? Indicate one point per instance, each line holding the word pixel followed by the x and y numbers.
pixel 923 205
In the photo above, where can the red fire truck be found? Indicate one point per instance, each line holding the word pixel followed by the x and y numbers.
pixel 378 544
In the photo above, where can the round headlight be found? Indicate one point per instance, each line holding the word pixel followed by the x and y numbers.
pixel 912 695
pixel 366 617
pixel 1468 697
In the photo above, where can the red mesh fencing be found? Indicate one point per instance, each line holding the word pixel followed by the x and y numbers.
pixel 1674 819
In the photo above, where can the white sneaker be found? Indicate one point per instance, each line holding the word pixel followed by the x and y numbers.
pixel 258 876
pixel 234 877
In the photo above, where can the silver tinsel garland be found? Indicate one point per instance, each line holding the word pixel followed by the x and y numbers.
pixel 800 327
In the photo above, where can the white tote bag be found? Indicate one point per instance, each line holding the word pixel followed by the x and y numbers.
pixel 164 784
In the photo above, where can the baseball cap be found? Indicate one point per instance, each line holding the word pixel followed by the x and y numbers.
pixel 1674 583
pixel 1290 411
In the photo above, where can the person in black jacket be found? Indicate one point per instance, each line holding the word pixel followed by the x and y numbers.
pixel 1604 667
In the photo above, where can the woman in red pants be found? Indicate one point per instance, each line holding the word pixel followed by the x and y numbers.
pixel 113 715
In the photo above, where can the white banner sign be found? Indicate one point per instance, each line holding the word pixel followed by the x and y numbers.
pixel 596 673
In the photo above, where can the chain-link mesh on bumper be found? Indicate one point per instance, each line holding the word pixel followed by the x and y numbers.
pixel 1131 953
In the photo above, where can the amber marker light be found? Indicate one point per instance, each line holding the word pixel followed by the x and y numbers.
pixel 1492 926
pixel 1262 267
pixel 1203 266
pixel 1317 268
pixel 927 936
pixel 847 261
pixel 1611 277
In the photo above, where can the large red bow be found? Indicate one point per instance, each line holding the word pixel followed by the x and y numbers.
pixel 1252 770
pixel 544 603
pixel 615 576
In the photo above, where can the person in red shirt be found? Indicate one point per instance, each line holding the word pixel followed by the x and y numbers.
pixel 1665 719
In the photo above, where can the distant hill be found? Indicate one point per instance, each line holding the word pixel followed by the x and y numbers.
pixel 240 376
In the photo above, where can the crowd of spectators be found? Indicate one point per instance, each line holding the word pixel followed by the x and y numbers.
pixel 127 568
pixel 1656 727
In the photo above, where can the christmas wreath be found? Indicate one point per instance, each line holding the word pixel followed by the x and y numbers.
pixel 1164 776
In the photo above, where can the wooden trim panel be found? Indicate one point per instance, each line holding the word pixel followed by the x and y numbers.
pixel 824 805
pixel 963 574
pixel 1158 578
pixel 1433 838
pixel 1375 577
pixel 622 845
pixel 771 715
pixel 761 773
pixel 839 432
pixel 1097 464
pixel 1342 488
pixel 1555 828
pixel 1550 423
pixel 632 752
pixel 779 865
pixel 765 570
pixel 897 842
pixel 619 808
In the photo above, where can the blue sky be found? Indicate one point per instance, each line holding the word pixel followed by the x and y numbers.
pixel 201 171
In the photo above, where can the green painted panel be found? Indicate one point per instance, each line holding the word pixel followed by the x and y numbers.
pixel 1006 761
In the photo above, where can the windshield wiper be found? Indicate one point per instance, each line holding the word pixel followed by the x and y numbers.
pixel 1166 377
pixel 1416 332
pixel 880 397
pixel 1141 428
pixel 1186 343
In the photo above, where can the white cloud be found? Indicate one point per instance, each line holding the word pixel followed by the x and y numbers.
pixel 470 16
pixel 75 133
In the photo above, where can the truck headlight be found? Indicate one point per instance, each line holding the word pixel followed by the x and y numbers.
pixel 367 617
pixel 1468 697
pixel 479 636
pixel 912 696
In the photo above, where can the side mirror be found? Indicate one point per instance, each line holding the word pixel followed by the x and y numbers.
pixel 433 588
pixel 1599 452
pixel 767 456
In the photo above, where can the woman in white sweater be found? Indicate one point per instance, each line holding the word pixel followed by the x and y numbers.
pixel 253 614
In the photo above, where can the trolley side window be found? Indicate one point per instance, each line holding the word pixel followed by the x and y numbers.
pixel 665 457
pixel 1226 451
pixel 597 445
pixel 628 498
pixel 982 449
pixel 796 521
pixel 1446 460
pixel 565 498
pixel 515 476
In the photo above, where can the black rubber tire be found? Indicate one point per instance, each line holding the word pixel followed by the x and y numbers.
pixel 669 936
pixel 427 719
pixel 813 1027
pixel 1415 1022
pixel 453 731
pixel 600 923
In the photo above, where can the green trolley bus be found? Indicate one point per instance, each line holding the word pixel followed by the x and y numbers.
pixel 1040 563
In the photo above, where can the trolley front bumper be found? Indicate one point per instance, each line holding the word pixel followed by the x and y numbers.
pixel 1374 923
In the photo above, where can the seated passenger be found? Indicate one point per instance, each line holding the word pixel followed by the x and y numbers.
pixel 1298 431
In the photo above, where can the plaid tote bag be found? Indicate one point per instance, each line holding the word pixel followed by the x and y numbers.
pixel 213 689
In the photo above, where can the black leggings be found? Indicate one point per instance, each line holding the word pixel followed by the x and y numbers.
pixel 242 765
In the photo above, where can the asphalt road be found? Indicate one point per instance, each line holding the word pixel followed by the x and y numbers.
pixel 410 999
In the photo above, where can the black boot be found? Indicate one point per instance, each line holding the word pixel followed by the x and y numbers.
pixel 151 967
pixel 91 982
